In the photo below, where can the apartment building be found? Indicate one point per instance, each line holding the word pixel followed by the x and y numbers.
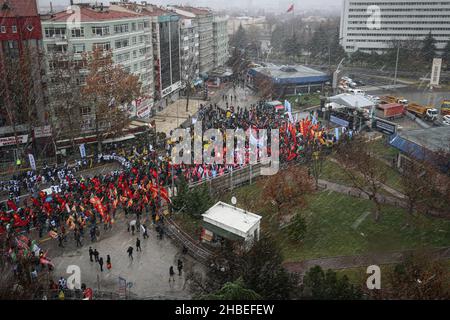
pixel 371 25
pixel 204 18
pixel 22 94
pixel 220 40
pixel 127 34
pixel 189 41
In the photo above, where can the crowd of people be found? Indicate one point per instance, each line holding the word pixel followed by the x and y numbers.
pixel 82 205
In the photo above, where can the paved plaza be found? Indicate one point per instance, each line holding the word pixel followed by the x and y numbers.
pixel 148 272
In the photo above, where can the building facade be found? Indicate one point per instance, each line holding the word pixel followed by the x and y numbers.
pixel 22 91
pixel 126 34
pixel 372 25
pixel 220 40
pixel 189 39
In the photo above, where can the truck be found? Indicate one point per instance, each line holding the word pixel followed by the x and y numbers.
pixel 445 108
pixel 392 99
pixel 392 110
pixel 423 112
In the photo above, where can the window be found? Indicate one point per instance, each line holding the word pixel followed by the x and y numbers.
pixel 101 46
pixel 3 29
pixel 133 40
pixel 121 28
pixel 133 26
pixel 140 26
pixel 78 32
pixel 134 54
pixel 146 24
pixel 14 29
pixel 78 48
pixel 54 48
pixel 122 43
pixel 85 111
pixel 54 32
pixel 100 31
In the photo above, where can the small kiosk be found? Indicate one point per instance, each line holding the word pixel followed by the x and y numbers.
pixel 226 222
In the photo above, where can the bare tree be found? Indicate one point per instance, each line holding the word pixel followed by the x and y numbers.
pixel 190 66
pixel 366 173
pixel 108 90
pixel 65 95
pixel 19 92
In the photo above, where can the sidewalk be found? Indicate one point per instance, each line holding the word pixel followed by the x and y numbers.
pixel 172 116
pixel 346 262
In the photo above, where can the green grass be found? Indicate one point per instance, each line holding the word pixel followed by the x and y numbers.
pixel 330 232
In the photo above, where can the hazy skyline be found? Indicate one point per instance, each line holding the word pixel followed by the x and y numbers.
pixel 245 5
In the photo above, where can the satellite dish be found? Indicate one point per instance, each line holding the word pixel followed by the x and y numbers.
pixel 233 200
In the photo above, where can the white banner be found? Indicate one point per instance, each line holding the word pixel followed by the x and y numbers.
pixel 41 132
pixel 32 162
pixel 82 151
pixel 9 141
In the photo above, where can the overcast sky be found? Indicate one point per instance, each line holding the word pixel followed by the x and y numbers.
pixel 276 5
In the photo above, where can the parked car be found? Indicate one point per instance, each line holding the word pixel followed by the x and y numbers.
pixel 446 120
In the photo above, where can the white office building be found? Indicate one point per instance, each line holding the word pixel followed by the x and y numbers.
pixel 369 25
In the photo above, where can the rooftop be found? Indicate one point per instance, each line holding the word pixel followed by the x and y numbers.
pixel 434 139
pixel 352 100
pixel 292 73
pixel 230 218
pixel 87 14
pixel 21 8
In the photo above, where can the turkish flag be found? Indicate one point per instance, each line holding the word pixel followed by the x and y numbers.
pixel 291 8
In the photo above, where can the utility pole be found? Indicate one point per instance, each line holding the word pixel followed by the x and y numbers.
pixel 396 65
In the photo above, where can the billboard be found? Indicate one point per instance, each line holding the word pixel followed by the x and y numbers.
pixel 436 72
pixel 384 126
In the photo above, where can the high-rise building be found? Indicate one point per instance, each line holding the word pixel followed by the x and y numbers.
pixel 372 25
pixel 204 18
pixel 166 51
pixel 220 40
pixel 189 41
pixel 127 34
pixel 22 91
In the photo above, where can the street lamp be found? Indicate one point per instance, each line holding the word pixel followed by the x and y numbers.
pixel 316 166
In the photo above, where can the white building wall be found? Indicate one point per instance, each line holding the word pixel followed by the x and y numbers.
pixel 398 20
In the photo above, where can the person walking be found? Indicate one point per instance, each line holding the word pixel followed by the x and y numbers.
pixel 78 239
pixel 108 262
pixel 138 245
pixel 130 252
pixel 60 240
pixel 132 229
pixel 91 254
pixel 180 267
pixel 100 262
pixel 144 231
pixel 96 254
pixel 171 274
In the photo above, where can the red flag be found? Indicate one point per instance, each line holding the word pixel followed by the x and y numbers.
pixel 11 205
pixel 291 8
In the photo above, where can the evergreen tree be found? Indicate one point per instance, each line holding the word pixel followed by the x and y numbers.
pixel 428 49
pixel 235 290
pixel 297 229
pixel 320 285
pixel 446 55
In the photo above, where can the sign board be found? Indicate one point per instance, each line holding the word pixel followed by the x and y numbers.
pixel 42 132
pixel 384 126
pixel 32 161
pixel 339 121
pixel 82 151
pixel 9 141
pixel 170 89
pixel 436 72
